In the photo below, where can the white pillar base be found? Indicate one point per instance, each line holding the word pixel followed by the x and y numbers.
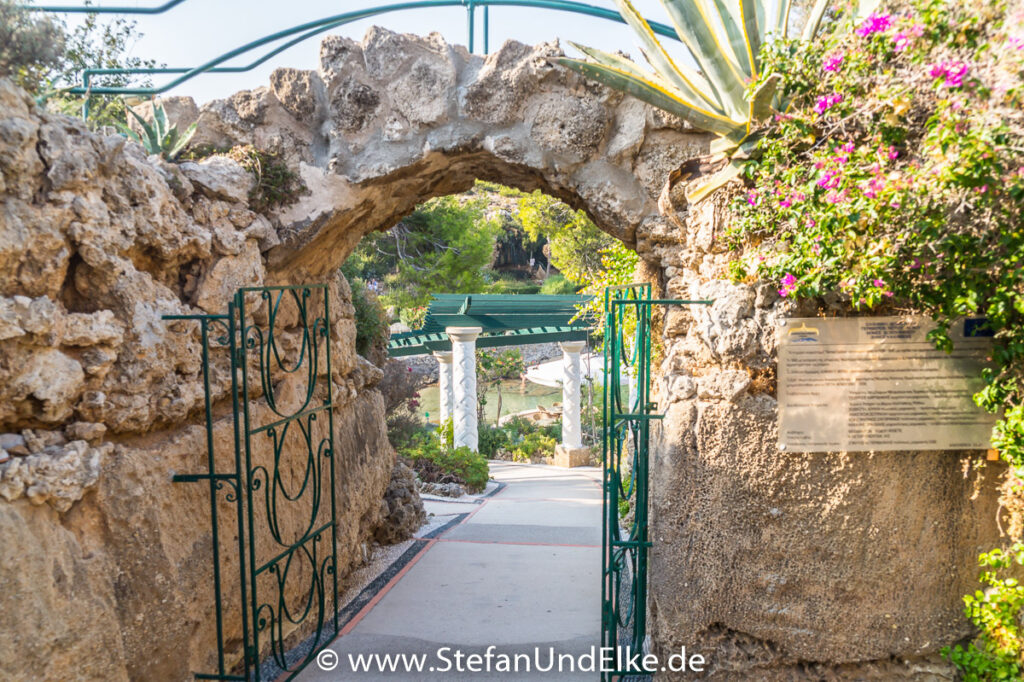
pixel 570 457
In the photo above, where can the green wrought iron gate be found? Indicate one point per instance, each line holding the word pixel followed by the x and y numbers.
pixel 280 548
pixel 625 446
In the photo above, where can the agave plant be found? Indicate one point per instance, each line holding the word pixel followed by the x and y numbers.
pixel 724 38
pixel 160 137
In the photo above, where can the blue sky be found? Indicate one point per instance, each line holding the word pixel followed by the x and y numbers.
pixel 199 30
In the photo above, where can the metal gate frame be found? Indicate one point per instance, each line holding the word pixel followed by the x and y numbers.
pixel 625 443
pixel 259 487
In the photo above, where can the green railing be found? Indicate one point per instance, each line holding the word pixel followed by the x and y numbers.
pixel 297 34
pixel 624 455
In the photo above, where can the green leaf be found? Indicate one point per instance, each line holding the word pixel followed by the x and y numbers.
pixel 731 171
pixel 710 53
pixel 753 23
pixel 814 19
pixel 655 95
pixel 679 75
pixel 128 132
pixel 160 119
pixel 616 62
pixel 151 141
pixel 183 141
pixel 732 20
pixel 761 98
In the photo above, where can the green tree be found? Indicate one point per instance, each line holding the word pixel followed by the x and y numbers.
pixel 46 58
pixel 30 45
pixel 576 243
pixel 445 245
pixel 492 369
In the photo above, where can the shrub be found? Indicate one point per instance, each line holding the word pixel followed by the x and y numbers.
pixel 508 285
pixel 276 184
pixel 30 44
pixel 398 384
pixel 492 439
pixel 371 319
pixel 404 427
pixel 558 284
pixel 428 453
pixel 536 444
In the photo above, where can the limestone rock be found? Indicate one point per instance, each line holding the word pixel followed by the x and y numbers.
pixel 402 508
pixel 573 125
pixel 87 431
pixel 219 178
pixel 58 475
pixel 723 385
pixel 90 329
pixel 20 315
pixel 45 386
pixel 298 91
pixel 227 275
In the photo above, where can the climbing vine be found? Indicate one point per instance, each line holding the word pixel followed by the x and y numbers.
pixel 898 179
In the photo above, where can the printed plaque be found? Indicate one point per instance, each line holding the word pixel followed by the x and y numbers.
pixel 878 383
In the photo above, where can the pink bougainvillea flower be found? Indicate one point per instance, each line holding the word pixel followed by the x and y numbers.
pixel 752 198
pixel 900 41
pixel 878 283
pixel 893 154
pixel 834 197
pixel 833 62
pixel 785 203
pixel 826 102
pixel 830 180
pixel 951 73
pixel 788 285
pixel 874 23
pixel 848 147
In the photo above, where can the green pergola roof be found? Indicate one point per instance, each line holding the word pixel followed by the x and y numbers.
pixel 506 320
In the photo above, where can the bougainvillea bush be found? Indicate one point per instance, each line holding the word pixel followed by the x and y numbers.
pixel 897 178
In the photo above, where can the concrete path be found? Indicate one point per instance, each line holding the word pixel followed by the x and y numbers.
pixel 520 571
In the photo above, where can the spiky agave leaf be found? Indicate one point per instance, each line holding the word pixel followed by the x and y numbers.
pixel 160 121
pixel 151 141
pixel 724 38
pixel 182 141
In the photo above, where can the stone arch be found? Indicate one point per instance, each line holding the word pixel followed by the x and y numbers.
pixel 385 124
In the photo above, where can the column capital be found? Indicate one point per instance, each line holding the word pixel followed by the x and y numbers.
pixel 444 356
pixel 463 334
pixel 572 346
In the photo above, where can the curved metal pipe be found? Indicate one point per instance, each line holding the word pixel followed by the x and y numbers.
pixel 309 30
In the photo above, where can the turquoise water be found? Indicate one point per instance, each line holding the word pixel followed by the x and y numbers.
pixel 515 397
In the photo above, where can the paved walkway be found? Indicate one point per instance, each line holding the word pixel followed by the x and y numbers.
pixel 520 571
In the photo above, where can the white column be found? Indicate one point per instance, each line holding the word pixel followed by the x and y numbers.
pixel 464 389
pixel 444 374
pixel 572 433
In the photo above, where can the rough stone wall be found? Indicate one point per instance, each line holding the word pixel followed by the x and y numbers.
pixel 784 566
pixel 105 564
